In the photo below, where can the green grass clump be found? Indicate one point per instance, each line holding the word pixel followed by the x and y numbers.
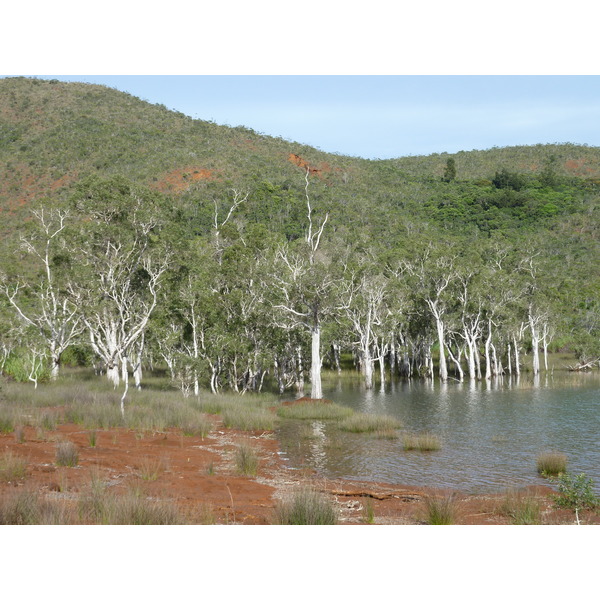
pixel 440 510
pixel 248 418
pixel 6 423
pixel 424 442
pixel 12 467
pixel 26 507
pixel 367 423
pixel 246 460
pixel 99 506
pixel 368 511
pixel 551 464
pixel 314 410
pixel 151 469
pixel 67 454
pixel 200 427
pixel 134 508
pixel 306 507
pixel 521 508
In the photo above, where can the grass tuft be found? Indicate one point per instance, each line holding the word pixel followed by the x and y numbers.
pixel 305 507
pixel 67 454
pixel 551 464
pixel 367 423
pixel 151 469
pixel 248 418
pixel 521 508
pixel 246 460
pixel 314 410
pixel 424 442
pixel 12 467
pixel 440 510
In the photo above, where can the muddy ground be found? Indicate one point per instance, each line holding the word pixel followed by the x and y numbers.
pixel 200 477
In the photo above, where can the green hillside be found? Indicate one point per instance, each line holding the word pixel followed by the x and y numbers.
pixel 514 233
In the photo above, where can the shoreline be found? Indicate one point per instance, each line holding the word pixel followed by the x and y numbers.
pixel 199 477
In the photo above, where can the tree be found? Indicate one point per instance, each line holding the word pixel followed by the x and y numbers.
pixel 449 171
pixel 46 306
pixel 305 285
pixel 121 263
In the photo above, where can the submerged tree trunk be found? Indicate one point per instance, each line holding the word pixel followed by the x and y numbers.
pixel 516 358
pixel 535 343
pixel 315 369
pixel 366 364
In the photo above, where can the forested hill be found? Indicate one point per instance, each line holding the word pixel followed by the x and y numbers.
pixel 53 134
pixel 471 252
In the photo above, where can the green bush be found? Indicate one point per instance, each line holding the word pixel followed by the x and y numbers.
pixel 576 493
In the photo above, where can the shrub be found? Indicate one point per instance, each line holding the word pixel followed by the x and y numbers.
pixel 367 423
pixel 246 460
pixel 440 510
pixel 67 454
pixel 425 442
pixel 550 464
pixel 576 493
pixel 306 507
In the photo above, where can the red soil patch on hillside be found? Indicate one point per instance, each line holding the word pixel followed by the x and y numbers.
pixel 304 165
pixel 579 167
pixel 20 186
pixel 179 180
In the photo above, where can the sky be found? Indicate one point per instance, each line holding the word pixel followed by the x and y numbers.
pixel 384 116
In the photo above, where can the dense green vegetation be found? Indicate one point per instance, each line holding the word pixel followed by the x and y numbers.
pixel 135 237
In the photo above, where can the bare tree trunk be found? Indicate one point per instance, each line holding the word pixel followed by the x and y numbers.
pixel 299 370
pixel 516 349
pixel 443 365
pixel 315 369
pixel 535 342
pixel 366 364
pixel 488 343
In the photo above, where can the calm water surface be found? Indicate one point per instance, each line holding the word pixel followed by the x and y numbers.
pixel 491 433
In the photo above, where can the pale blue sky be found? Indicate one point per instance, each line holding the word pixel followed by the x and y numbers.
pixel 384 116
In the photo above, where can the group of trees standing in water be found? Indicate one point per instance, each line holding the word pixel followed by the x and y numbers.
pixel 122 277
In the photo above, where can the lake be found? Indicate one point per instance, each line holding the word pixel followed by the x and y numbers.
pixel 491 432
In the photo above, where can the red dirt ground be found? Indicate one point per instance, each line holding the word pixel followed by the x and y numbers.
pixel 179 180
pixel 199 475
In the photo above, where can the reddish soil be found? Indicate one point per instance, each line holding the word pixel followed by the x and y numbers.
pixel 304 165
pixel 199 475
pixel 28 185
pixel 179 180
